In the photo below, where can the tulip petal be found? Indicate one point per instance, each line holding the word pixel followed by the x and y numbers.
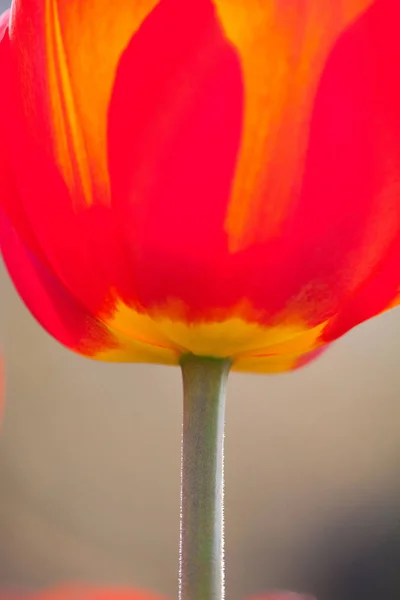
pixel 62 315
pixel 68 52
pixel 345 226
pixel 283 47
pixel 38 204
pixel 348 223
pixel 9 139
pixel 380 292
pixel 173 141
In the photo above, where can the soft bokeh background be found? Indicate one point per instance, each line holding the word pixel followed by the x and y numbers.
pixel 89 468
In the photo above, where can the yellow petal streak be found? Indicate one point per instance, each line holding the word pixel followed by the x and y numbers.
pixel 283 46
pixel 68 140
pixel 84 42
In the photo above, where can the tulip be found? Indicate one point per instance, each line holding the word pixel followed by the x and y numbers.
pixel 217 178
pixel 214 184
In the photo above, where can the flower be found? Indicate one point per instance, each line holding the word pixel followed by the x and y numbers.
pixel 219 178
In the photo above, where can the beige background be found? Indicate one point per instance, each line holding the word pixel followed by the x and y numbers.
pixel 89 468
pixel 89 464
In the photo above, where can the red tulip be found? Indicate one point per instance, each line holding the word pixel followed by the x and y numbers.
pixel 221 178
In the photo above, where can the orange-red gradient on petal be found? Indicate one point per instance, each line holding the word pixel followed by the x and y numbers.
pixel 220 178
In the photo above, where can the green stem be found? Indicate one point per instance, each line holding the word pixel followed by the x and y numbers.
pixel 201 565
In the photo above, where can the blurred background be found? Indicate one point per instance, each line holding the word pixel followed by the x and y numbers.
pixel 89 469
pixel 90 458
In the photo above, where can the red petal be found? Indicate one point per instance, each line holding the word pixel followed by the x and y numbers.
pixel 39 206
pixel 64 316
pixel 54 307
pixel 174 131
pixel 346 226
